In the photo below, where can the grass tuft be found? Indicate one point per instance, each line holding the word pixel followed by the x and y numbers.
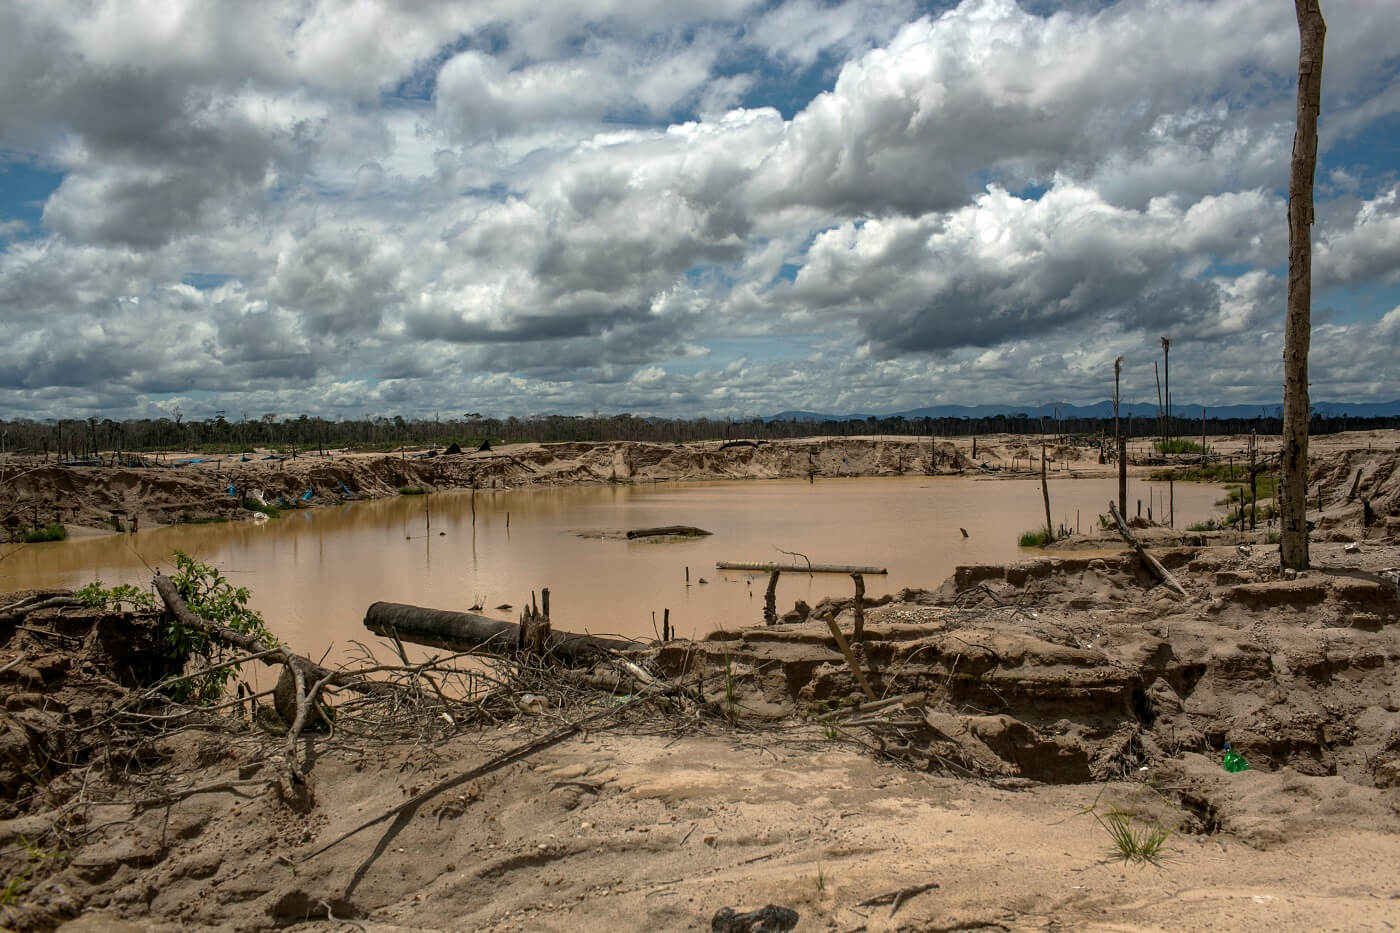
pixel 1134 842
pixel 1179 445
pixel 1037 538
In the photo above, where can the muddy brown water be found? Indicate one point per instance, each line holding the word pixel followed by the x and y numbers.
pixel 313 573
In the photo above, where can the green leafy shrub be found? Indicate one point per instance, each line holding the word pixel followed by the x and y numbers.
pixel 411 490
pixel 99 597
pixel 1178 445
pixel 211 596
pixel 271 511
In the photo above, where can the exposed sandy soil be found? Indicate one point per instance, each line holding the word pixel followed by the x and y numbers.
pixel 1034 696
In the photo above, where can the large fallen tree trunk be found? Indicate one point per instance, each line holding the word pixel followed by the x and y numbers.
pixel 463 631
pixel 1152 563
pixel 796 568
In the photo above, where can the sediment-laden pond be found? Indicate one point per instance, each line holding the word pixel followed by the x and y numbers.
pixel 313 572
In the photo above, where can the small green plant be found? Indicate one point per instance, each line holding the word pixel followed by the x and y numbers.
pixel 99 597
pixel 411 491
pixel 1037 538
pixel 51 532
pixel 210 595
pixel 821 879
pixel 831 732
pixel 1271 537
pixel 1134 842
pixel 38 861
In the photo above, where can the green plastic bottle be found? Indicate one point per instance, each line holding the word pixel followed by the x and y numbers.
pixel 1234 761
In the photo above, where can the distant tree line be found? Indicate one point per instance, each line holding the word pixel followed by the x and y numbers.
pixel 83 437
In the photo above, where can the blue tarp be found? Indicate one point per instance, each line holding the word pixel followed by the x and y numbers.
pixel 306 496
pixel 232 491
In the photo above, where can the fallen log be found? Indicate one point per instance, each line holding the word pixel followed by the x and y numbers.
pixel 1152 563
pixel 796 568
pixel 464 631
pixel 681 531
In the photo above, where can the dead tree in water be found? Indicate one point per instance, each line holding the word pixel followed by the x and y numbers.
pixel 1293 526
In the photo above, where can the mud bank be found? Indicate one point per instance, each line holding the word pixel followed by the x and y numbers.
pixel 116 498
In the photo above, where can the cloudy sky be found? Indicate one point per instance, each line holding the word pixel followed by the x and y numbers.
pixel 406 206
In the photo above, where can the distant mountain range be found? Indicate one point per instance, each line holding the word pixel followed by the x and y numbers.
pixel 1105 410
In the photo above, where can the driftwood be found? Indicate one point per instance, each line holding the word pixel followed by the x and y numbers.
pixel 683 531
pixel 462 631
pixel 796 568
pixel 850 659
pixel 770 600
pixel 1152 563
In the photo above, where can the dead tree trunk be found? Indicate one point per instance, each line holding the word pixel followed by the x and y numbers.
pixel 1167 379
pixel 1119 444
pixel 1045 490
pixel 1293 526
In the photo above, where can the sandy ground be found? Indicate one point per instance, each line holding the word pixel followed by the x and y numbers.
pixel 1050 694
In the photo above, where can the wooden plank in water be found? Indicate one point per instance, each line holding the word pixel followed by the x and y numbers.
pixel 795 568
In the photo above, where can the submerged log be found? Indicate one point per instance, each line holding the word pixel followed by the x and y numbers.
pixel 464 631
pixel 682 531
pixel 796 568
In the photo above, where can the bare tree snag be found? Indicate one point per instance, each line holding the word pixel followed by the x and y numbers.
pixel 1119 442
pixel 1167 379
pixel 1045 491
pixel 1293 526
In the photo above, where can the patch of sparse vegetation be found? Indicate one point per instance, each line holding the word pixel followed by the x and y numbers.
pixel 412 491
pixel 1178 445
pixel 50 532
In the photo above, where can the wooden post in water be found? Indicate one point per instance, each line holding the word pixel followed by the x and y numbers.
pixel 858 609
pixel 770 600
pixel 666 633
pixel 427 514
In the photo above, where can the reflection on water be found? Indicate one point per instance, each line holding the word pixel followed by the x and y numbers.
pixel 313 573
